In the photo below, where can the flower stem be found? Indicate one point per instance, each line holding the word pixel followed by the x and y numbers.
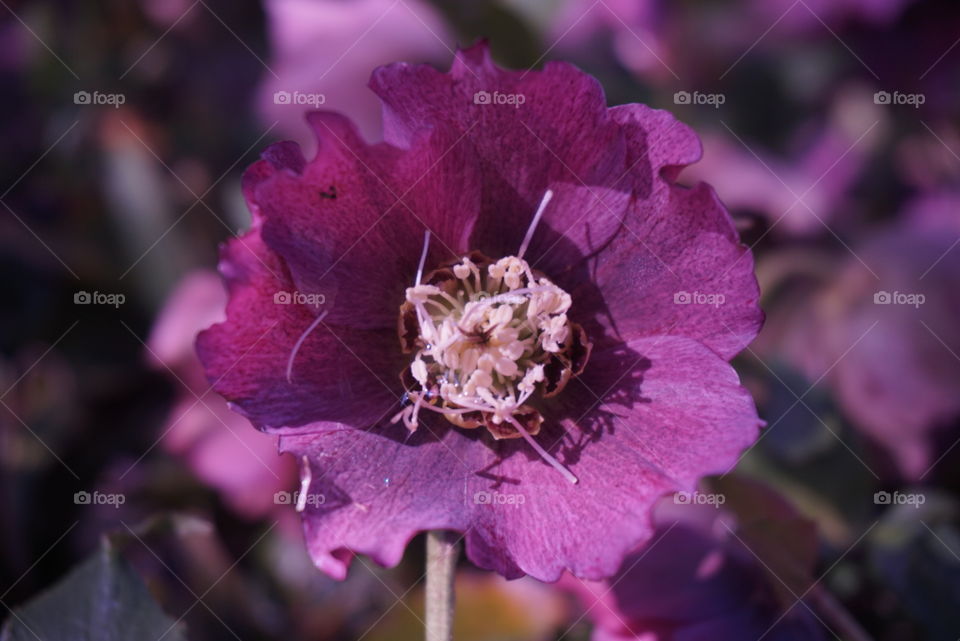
pixel 442 552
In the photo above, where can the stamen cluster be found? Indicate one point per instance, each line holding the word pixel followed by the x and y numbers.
pixel 486 336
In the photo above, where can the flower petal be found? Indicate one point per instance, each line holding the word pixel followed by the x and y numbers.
pixel 679 271
pixel 884 335
pixel 651 417
pixel 557 134
pixel 350 224
pixel 340 375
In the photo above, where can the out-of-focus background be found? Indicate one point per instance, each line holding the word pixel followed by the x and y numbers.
pixel 831 130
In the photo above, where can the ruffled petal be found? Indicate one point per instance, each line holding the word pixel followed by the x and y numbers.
pixel 340 375
pixel 350 224
pixel 557 134
pixel 679 271
pixel 652 417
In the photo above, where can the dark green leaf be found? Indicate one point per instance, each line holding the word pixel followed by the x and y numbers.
pixel 103 599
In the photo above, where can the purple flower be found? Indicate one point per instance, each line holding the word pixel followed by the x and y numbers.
pixel 323 49
pixel 801 195
pixel 538 371
pixel 882 333
pixel 697 581
pixel 636 30
pixel 664 41
pixel 240 463
pixel 812 15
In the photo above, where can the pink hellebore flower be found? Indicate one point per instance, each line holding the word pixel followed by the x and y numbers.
pixel 883 335
pixel 506 320
pixel 217 444
pixel 697 581
pixel 323 50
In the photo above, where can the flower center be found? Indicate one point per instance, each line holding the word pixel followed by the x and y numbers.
pixel 489 340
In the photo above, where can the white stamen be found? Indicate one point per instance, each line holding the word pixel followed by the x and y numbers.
pixel 423 256
pixel 533 224
pixel 483 345
pixel 567 474
pixel 296 346
pixel 414 420
pixel 510 298
pixel 306 476
pixel 462 270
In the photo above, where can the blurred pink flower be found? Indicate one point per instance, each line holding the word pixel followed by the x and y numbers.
pixel 813 15
pixel 936 212
pixel 218 445
pixel 884 333
pixel 826 165
pixel 655 38
pixel 329 48
pixel 697 581
pixel 635 28
pixel 167 13
pixel 926 162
